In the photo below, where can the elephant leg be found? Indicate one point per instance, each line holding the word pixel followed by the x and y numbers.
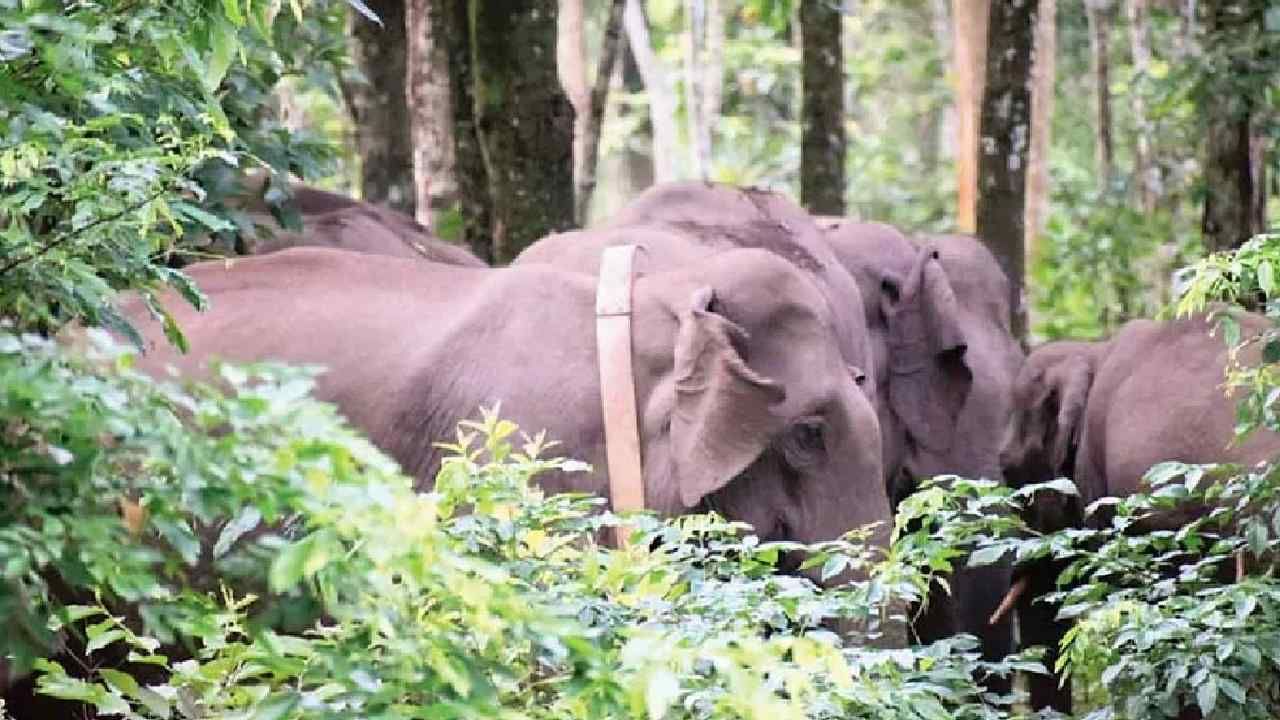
pixel 1038 625
pixel 979 591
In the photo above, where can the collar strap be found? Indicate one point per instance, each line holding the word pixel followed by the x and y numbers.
pixel 617 383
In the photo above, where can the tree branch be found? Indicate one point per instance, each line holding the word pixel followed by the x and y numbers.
pixel 23 259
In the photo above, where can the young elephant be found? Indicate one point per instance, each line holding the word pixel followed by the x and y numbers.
pixel 744 405
pixel 1102 413
pixel 336 221
pixel 938 315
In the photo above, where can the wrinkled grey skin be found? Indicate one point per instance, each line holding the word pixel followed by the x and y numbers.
pixel 336 221
pixel 938 318
pixel 744 402
pixel 678 222
pixel 1102 413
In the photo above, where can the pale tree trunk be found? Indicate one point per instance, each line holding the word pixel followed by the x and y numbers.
pixel 694 20
pixel 571 66
pixel 378 106
pixel 431 106
pixel 1145 174
pixel 822 132
pixel 590 144
pixel 1098 14
pixel 662 101
pixel 523 120
pixel 970 58
pixel 637 155
pixel 712 75
pixel 1235 182
pixel 938 130
pixel 1006 124
pixel 1043 75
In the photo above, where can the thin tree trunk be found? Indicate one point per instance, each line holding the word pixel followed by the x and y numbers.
pixel 524 121
pixel 1145 174
pixel 379 107
pixel 711 77
pixel 1043 76
pixel 431 105
pixel 662 101
pixel 571 66
pixel 694 20
pixel 1006 124
pixel 1098 14
pixel 1235 201
pixel 472 177
pixel 637 154
pixel 970 58
pixel 937 130
pixel 822 132
pixel 595 120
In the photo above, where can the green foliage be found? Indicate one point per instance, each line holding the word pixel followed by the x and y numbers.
pixel 482 598
pixel 122 125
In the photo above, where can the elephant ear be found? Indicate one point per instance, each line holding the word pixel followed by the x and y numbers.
pixel 929 376
pixel 1071 384
pixel 723 416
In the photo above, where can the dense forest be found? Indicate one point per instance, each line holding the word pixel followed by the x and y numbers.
pixel 639 358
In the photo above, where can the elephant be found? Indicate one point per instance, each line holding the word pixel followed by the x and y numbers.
pixel 937 312
pixel 337 221
pixel 681 222
pixel 744 404
pixel 1102 413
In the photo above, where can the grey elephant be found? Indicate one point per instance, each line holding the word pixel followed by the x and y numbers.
pixel 682 222
pixel 340 222
pixel 1102 413
pixel 732 414
pixel 938 316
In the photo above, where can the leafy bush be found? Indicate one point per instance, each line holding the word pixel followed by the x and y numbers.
pixel 304 576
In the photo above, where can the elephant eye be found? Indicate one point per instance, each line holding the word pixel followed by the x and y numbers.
pixel 810 436
pixel 889 286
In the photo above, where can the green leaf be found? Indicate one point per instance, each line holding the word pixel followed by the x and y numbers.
pixel 1207 696
pixel 276 706
pixel 364 10
pixel 232 10
pixel 121 681
pixel 987 555
pixel 661 691
pixel 223 44
pixel 244 521
pixel 1266 278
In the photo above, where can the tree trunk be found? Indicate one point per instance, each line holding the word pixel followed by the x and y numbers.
pixel 662 100
pixel 937 128
pixel 379 108
pixel 431 105
pixel 1043 76
pixel 1098 14
pixel 822 132
pixel 590 144
pixel 571 67
pixel 1006 124
pixel 1235 198
pixel 637 155
pixel 692 37
pixel 1145 174
pixel 524 121
pixel 969 59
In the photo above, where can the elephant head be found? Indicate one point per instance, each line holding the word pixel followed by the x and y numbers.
pixel 1043 435
pixel 756 416
pixel 920 342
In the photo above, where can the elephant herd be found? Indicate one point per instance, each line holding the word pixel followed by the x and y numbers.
pixel 800 374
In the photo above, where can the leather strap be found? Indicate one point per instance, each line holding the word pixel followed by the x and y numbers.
pixel 617 383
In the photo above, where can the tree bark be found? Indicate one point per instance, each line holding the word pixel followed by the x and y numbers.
pixel 1145 174
pixel 1006 124
pixel 379 107
pixel 822 132
pixel 524 121
pixel 571 66
pixel 1043 75
pixel 590 144
pixel 1098 15
pixel 969 59
pixel 1235 201
pixel 637 155
pixel 431 104
pixel 662 101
